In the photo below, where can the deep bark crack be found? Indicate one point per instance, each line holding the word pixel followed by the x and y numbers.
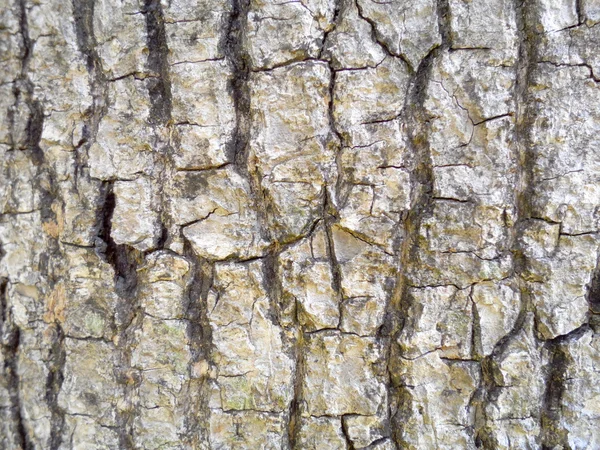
pixel 10 335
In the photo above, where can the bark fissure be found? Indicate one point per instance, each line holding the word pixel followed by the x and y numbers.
pixel 10 335
pixel 23 94
pixel 159 87
pixel 422 179
pixel 160 118
pixel 83 11
pixel 524 116
pixel 44 187
pixel 553 434
pixel 200 342
pixel 128 315
pixel 593 297
pixel 296 407
pixel 123 258
pixel 54 383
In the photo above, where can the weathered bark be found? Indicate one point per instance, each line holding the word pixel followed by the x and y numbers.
pixel 330 224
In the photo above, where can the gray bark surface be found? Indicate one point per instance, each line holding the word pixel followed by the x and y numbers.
pixel 306 224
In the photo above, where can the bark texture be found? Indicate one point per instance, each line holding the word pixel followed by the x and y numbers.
pixel 305 224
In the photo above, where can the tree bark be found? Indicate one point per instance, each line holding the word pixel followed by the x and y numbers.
pixel 330 224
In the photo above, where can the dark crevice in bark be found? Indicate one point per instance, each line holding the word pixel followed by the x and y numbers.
pixel 349 443
pixel 83 15
pixel 553 433
pixel 54 381
pixel 10 336
pixel 422 181
pixel 331 106
pixel 35 125
pixel 330 218
pixel 330 214
pixel 293 346
pixel 240 62
pixel 130 379
pixel 3 302
pixel 524 118
pixel 296 405
pixel 272 285
pixel 23 92
pixel 46 186
pixel 129 318
pixel 123 258
pixel 488 390
pixel 525 114
pixel 593 296
pixel 444 23
pixel 201 347
pixel 159 87
pixel 128 315
pixel 580 12
pixel 476 342
pixel 158 84
pixel 239 146
pixel 501 346
pixel 293 338
pixel 342 189
pixel 201 281
pixel 337 9
pixel 13 382
pixel 23 89
pixel 26 39
pixel 163 238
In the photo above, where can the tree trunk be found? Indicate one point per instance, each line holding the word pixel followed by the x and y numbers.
pixel 330 224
